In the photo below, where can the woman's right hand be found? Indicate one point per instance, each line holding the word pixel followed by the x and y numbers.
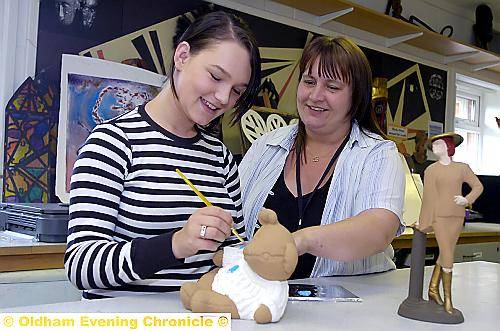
pixel 423 228
pixel 189 240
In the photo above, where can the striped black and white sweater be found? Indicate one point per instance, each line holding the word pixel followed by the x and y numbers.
pixel 126 201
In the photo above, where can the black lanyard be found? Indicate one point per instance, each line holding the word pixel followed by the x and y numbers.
pixel 302 208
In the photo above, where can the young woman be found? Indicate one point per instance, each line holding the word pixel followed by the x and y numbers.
pixel 135 226
pixel 443 209
pixel 338 187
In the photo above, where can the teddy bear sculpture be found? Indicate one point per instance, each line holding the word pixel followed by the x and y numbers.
pixel 252 283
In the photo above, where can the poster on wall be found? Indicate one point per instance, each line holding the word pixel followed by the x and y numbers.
pixel 152 48
pixel 93 91
pixel 415 97
pixel 416 92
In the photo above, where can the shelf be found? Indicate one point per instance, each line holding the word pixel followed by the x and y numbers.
pixel 25 254
pixel 15 258
pixel 397 31
pixel 472 233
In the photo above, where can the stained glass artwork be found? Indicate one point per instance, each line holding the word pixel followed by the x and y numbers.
pixel 30 144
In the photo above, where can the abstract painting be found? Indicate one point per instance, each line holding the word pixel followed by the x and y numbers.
pixel 90 95
pixel 30 141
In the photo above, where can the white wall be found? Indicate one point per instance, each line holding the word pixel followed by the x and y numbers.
pixel 18 40
pixel 490 132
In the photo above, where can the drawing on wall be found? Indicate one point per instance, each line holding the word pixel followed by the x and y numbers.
pixel 30 141
pixel 416 96
pixel 93 100
pixel 436 87
pixel 93 91
pixel 280 77
pixel 409 89
pixel 151 47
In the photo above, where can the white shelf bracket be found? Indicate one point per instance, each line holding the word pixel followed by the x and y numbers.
pixel 320 20
pixel 389 42
pixel 459 57
pixel 482 66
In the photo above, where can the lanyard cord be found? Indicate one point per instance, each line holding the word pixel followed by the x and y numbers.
pixel 302 208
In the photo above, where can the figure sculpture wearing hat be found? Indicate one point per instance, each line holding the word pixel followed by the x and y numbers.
pixel 443 209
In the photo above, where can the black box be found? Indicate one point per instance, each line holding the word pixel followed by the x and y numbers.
pixel 47 222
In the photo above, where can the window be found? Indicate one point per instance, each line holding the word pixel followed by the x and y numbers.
pixel 467 111
pixel 468 151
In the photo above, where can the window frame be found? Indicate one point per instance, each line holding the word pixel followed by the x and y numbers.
pixel 472 124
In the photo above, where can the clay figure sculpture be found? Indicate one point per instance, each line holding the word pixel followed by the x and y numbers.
pixel 443 209
pixel 252 280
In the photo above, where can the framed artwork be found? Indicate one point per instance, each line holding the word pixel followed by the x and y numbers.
pixel 93 91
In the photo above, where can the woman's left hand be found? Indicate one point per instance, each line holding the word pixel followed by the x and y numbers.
pixel 460 200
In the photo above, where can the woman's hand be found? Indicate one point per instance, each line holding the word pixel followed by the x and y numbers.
pixel 423 229
pixel 460 200
pixel 206 229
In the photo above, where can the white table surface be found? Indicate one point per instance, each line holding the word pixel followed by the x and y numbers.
pixel 35 287
pixel 14 239
pixel 476 292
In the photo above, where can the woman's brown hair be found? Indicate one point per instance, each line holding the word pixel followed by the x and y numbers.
pixel 341 59
pixel 214 27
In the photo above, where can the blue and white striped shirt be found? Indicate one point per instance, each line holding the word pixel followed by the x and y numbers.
pixel 369 174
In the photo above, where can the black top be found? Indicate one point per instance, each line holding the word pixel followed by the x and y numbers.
pixel 282 201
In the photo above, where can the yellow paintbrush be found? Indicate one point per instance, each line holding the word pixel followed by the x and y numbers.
pixel 202 197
